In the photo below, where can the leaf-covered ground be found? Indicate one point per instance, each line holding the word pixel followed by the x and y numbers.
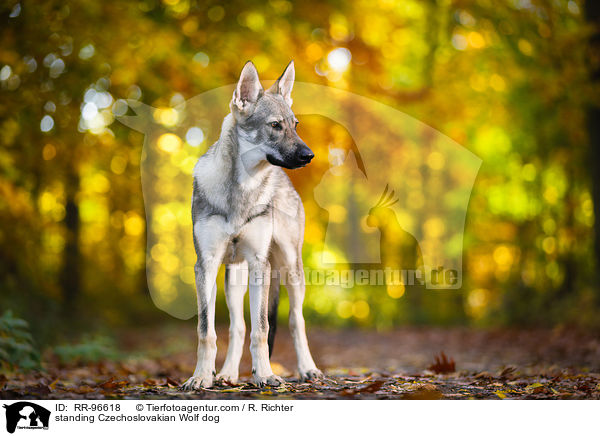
pixel 408 363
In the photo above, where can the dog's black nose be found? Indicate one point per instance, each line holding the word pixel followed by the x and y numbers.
pixel 304 154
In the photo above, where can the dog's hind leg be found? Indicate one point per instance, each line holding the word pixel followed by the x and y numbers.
pixel 255 249
pixel 236 284
pixel 274 289
pixel 295 284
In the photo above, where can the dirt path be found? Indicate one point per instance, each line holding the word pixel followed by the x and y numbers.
pixel 401 364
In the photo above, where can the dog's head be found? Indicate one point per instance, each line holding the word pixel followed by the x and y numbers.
pixel 265 118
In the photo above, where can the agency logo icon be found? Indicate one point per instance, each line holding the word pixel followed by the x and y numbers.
pixel 26 416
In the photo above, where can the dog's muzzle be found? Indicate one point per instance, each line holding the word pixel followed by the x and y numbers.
pixel 301 158
pixel 304 155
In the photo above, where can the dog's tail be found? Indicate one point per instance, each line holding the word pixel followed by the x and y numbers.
pixel 273 305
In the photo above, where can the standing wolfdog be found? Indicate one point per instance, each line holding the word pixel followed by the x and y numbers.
pixel 247 215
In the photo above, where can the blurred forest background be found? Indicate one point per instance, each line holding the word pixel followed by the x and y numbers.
pixel 514 81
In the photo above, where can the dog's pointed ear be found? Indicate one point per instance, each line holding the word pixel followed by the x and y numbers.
pixel 248 88
pixel 285 83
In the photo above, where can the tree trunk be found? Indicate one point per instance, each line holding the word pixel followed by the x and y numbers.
pixel 70 274
pixel 592 12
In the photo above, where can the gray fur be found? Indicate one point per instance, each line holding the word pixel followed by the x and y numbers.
pixel 247 214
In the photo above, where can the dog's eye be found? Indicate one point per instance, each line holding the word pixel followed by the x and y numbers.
pixel 276 125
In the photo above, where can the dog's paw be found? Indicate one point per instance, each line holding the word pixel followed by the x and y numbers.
pixel 227 378
pixel 197 383
pixel 311 375
pixel 269 380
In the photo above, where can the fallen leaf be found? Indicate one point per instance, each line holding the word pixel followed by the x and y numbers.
pixel 508 372
pixel 150 382
pixel 442 364
pixel 369 389
pixel 39 389
pixel 423 394
pixel 81 390
pixel 52 386
pixel 373 387
pixel 429 387
pixel 238 389
pixel 111 384
pixel 484 375
pixel 171 382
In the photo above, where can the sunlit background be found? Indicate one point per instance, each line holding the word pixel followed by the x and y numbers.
pixel 509 81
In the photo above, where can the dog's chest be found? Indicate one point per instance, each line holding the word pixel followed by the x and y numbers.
pixel 247 204
pixel 243 227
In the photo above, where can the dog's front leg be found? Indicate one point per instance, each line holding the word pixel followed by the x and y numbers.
pixel 236 284
pixel 295 284
pixel 207 336
pixel 255 249
pixel 259 282
pixel 210 245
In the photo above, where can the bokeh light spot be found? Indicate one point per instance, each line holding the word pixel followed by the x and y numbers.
pixel 49 152
pixel 344 309
pixel 194 136
pixel 47 123
pixel 134 224
pixel 360 309
pixel 169 142
pixel 339 59
pixel 396 290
